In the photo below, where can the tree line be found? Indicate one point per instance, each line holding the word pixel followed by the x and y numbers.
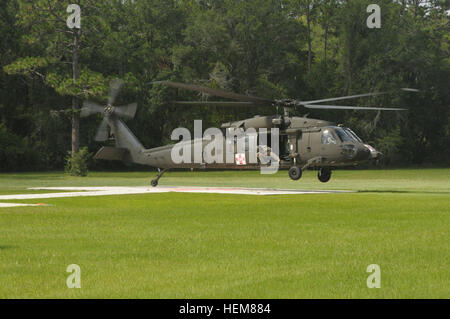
pixel 303 49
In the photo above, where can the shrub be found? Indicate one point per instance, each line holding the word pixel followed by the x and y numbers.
pixel 77 165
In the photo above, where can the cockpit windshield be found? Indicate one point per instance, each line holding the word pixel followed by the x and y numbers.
pixel 331 133
pixel 353 134
pixel 343 135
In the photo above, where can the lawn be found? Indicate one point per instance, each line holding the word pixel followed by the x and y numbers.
pixel 177 245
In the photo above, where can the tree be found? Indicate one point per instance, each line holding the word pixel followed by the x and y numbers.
pixel 292 48
pixel 327 8
pixel 55 47
pixel 306 9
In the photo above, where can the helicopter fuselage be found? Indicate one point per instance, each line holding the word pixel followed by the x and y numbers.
pixel 295 142
pixel 303 142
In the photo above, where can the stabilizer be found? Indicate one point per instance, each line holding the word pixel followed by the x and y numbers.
pixel 111 154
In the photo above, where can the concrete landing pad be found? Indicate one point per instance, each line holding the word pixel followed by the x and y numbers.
pixel 104 191
pixel 5 205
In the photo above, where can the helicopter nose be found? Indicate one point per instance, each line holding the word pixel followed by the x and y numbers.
pixel 363 154
pixel 373 152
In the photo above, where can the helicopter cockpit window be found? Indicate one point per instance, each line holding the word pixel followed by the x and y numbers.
pixel 353 134
pixel 345 137
pixel 328 137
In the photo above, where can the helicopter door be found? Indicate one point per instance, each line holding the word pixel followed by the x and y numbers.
pixel 328 144
pixel 308 147
pixel 314 142
pixel 293 141
pixel 303 145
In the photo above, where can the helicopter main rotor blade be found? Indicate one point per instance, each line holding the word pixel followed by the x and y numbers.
pixel 215 103
pixel 114 89
pixel 341 98
pixel 344 107
pixel 410 90
pixel 353 96
pixel 127 111
pixel 216 92
pixel 102 132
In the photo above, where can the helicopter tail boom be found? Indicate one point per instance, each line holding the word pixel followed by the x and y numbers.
pixel 128 147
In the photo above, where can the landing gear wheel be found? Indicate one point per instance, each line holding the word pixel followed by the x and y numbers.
pixel 324 175
pixel 295 173
pixel 155 182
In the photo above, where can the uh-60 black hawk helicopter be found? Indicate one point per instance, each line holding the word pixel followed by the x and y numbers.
pixel 303 142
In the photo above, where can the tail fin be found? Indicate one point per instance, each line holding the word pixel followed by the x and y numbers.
pixel 125 139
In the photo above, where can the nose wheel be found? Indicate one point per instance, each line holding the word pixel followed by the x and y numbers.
pixel 324 175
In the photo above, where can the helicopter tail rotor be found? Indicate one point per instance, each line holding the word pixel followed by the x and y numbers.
pixel 108 111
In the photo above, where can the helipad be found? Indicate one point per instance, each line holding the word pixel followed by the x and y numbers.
pixel 4 205
pixel 106 191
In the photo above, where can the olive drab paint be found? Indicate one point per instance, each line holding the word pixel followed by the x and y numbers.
pixel 266 143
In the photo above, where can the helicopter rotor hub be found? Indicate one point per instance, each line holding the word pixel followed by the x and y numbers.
pixel 109 110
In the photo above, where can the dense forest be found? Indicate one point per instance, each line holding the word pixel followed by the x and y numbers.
pixel 304 49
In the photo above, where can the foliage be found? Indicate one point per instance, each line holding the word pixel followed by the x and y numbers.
pixel 77 165
pixel 265 48
pixel 16 152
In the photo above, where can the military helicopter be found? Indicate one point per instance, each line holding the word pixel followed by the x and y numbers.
pixel 304 143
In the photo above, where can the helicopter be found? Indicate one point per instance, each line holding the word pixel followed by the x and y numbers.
pixel 304 143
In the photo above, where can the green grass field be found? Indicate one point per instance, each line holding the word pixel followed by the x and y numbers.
pixel 177 245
